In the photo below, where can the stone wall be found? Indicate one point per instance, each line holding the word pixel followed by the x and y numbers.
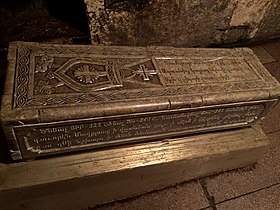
pixel 141 22
pixel 182 22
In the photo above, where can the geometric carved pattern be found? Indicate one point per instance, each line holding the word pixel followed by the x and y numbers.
pixel 22 76
pixel 86 75
pixel 76 75
pixel 157 92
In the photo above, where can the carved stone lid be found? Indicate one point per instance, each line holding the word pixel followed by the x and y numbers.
pixel 78 81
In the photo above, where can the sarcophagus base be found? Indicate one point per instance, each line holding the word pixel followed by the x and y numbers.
pixel 116 173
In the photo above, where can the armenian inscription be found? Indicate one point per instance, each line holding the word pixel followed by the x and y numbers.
pixel 198 71
pixel 94 132
pixel 91 75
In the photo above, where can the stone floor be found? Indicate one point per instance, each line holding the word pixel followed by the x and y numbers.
pixel 253 187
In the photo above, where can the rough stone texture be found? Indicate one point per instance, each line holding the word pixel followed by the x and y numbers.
pixel 236 183
pixel 249 14
pixel 185 196
pixel 270 24
pixel 180 22
pixel 261 200
pixel 160 23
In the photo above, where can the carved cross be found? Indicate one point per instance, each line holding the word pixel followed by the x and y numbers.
pixel 88 75
pixel 145 73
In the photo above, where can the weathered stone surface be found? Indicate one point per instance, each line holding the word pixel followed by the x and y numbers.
pixel 62 98
pixel 270 24
pixel 249 14
pixel 181 22
pixel 158 23
pixel 104 176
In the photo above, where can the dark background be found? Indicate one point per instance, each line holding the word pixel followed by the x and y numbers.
pixel 53 21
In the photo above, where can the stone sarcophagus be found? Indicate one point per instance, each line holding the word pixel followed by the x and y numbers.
pixel 61 98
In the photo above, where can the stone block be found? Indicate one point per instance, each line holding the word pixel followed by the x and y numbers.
pixel 80 181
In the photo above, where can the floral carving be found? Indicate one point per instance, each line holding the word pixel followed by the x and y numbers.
pixel 44 63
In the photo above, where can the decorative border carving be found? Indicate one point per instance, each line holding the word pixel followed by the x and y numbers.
pixel 24 66
pixel 137 94
pixel 22 77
